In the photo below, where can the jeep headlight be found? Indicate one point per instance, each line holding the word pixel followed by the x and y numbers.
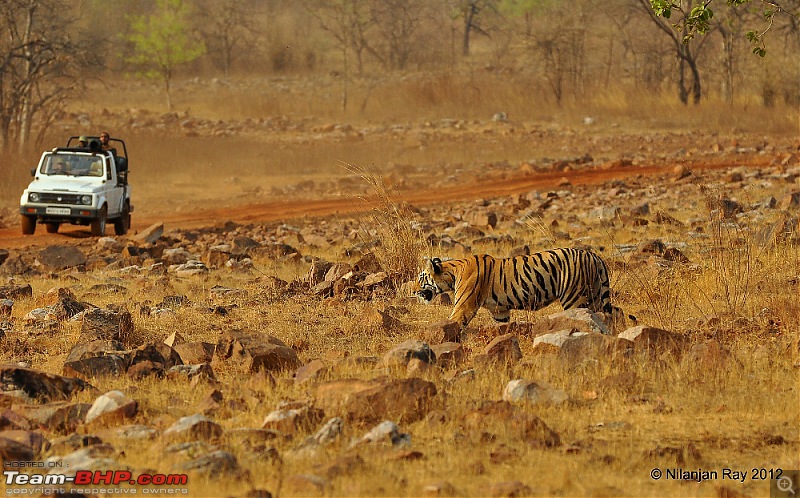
pixel 86 199
pixel 34 197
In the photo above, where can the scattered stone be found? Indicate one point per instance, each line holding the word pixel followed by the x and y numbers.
pixel 401 354
pixel 57 257
pixel 251 352
pixel 502 350
pixel 533 392
pixel 193 427
pixel 39 385
pixel 112 408
pixel 405 400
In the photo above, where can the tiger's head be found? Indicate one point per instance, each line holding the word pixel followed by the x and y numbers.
pixel 432 280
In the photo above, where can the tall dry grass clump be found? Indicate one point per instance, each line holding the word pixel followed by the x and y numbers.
pixel 400 243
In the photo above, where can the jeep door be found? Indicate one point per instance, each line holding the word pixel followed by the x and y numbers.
pixel 112 189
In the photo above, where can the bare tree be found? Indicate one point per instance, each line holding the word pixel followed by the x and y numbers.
pixel 687 48
pixel 397 22
pixel 227 28
pixel 39 65
pixel 471 12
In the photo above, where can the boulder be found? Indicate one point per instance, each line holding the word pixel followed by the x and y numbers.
pixel 405 351
pixel 112 408
pixel 57 257
pixel 251 352
pixel 405 400
pixel 41 386
pixel 193 427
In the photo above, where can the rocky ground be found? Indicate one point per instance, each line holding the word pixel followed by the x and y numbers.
pixel 285 355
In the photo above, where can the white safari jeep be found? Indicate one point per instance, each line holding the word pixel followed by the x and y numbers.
pixel 80 185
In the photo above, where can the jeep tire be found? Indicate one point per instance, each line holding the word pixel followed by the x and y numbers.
pixel 52 227
pixel 28 224
pixel 99 223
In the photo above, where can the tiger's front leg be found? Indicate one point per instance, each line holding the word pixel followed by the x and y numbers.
pixel 463 316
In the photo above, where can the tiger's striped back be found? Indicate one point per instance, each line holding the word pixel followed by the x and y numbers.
pixel 574 277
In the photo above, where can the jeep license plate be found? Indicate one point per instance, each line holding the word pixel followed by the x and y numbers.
pixel 52 210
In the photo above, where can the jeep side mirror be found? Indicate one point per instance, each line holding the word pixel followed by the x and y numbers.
pixel 33 171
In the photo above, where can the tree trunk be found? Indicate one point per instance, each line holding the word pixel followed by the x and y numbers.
pixel 26 113
pixel 727 65
pixel 683 94
pixel 468 19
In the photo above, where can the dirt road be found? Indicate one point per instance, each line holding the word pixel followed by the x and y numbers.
pixel 291 209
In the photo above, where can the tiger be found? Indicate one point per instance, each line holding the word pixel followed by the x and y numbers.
pixel 577 278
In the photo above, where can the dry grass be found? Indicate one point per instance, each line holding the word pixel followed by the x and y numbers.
pixel 739 413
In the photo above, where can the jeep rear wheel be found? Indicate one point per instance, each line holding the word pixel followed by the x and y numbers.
pixel 99 223
pixel 28 224
pixel 52 227
pixel 123 223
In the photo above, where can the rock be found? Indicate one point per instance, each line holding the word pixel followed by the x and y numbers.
pixel 192 373
pixel 790 202
pixel 597 348
pixel 655 341
pixel 503 349
pixel 448 354
pixel 316 273
pixel 680 172
pixel 193 353
pixel 96 366
pixel 575 319
pixel 673 254
pixel 368 263
pixel 16 291
pixel 412 348
pixel 293 420
pixel 329 432
pixel 193 427
pixel 552 342
pixel 112 408
pixel 150 235
pixel 443 331
pixel 214 465
pixel 38 385
pixel 653 246
pixel 251 352
pixel 380 320
pixel 310 372
pixel 386 431
pixel 507 489
pixel 106 324
pixel 6 307
pixel 641 209
pixel 521 390
pixel 515 423
pixel 406 400
pixel 726 209
pixel 58 416
pixel 56 257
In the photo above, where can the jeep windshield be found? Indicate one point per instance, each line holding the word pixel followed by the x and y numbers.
pixel 72 165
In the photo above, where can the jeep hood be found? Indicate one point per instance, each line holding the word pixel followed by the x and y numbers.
pixel 66 184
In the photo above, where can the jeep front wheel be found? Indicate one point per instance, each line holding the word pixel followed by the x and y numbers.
pixel 99 223
pixel 52 227
pixel 28 224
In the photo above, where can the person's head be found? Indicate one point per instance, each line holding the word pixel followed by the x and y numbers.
pixel 59 167
pixel 83 141
pixel 104 137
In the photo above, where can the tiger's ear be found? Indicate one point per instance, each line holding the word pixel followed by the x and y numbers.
pixel 433 265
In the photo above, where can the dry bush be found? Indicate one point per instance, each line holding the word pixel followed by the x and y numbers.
pixel 401 245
